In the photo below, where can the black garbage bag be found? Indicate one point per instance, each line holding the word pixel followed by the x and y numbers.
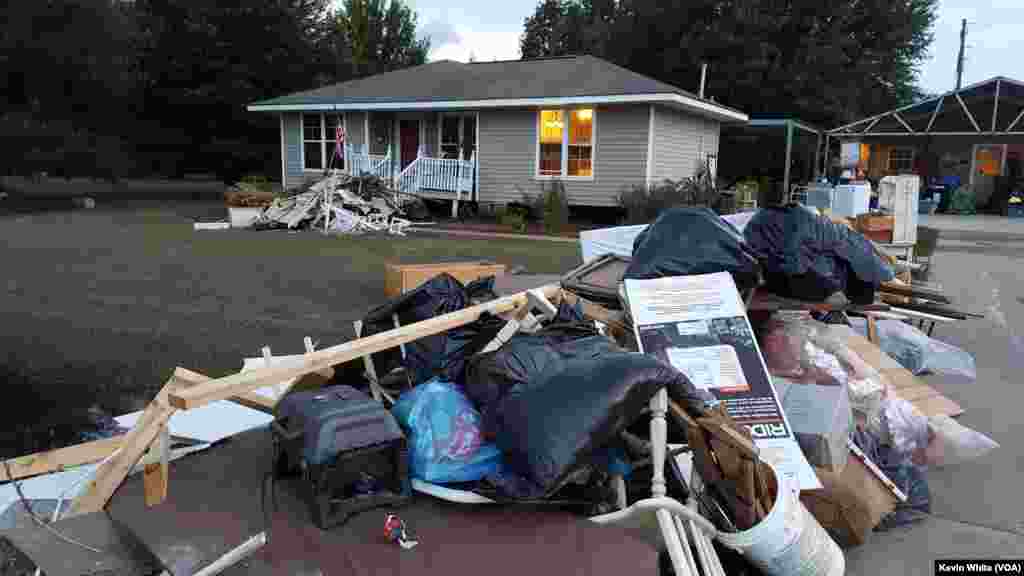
pixel 809 257
pixel 686 241
pixel 524 359
pixel 440 354
pixel 548 430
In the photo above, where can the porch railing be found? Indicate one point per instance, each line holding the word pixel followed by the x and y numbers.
pixel 438 174
pixel 379 165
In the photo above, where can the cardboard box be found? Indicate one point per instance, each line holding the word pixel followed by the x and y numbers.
pixel 849 504
pixel 401 278
pixel 821 420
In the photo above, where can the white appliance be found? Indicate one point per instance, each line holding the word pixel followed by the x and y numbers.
pixel 899 195
pixel 820 196
pixel 851 200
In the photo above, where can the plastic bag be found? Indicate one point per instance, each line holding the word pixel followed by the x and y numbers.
pixel 687 241
pixel 953 443
pixel 546 431
pixel 810 257
pixel 445 443
pixel 905 429
pixel 918 352
pixel 524 359
pixel 803 350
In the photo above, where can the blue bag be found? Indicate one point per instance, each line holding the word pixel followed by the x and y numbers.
pixel 445 441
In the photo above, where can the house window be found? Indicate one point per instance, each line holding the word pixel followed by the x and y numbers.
pixel 449 136
pixel 566 143
pixel 318 141
pixel 551 136
pixel 901 160
pixel 581 142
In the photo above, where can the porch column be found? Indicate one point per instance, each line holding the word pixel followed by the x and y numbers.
pixel 789 159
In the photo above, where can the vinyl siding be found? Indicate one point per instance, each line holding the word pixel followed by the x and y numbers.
pixel 294 175
pixel 508 148
pixel 681 143
pixel 356 132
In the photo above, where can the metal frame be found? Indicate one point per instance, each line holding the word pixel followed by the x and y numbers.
pixel 848 130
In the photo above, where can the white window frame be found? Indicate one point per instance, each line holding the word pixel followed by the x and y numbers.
pixel 461 130
pixel 325 141
pixel 888 160
pixel 566 111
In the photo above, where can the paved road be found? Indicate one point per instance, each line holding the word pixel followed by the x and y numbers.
pixel 978 508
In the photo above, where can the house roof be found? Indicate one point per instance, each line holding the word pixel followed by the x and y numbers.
pixel 992 107
pixel 537 82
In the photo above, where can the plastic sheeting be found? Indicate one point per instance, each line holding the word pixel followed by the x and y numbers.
pixel 525 358
pixel 810 257
pixel 918 352
pixel 548 430
pixel 689 241
pixel 445 443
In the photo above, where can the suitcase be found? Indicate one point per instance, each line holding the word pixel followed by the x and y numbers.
pixel 349 450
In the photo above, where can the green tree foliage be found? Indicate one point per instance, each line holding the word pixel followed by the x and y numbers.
pixel 107 87
pixel 824 61
pixel 378 35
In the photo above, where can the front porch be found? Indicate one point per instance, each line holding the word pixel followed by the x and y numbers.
pixel 428 154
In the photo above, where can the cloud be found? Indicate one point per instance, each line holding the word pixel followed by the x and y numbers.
pixel 483 46
pixel 440 32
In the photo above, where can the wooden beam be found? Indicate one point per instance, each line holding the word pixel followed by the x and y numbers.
pixel 155 471
pixel 59 459
pixel 222 388
pixel 113 471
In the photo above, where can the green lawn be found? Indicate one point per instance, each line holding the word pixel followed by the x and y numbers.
pixel 101 305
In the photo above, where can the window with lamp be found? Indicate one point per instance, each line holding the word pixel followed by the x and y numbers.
pixel 319 147
pixel 901 160
pixel 565 146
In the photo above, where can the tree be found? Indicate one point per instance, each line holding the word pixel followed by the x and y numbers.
pixel 378 35
pixel 826 62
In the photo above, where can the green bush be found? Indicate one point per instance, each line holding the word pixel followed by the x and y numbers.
pixel 552 207
pixel 642 203
pixel 512 216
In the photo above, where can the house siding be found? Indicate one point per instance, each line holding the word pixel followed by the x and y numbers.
pixel 508 148
pixel 356 131
pixel 681 143
pixel 294 176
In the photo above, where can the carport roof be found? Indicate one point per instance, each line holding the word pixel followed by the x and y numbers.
pixel 992 107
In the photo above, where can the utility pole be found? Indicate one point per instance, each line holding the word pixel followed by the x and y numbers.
pixel 960 58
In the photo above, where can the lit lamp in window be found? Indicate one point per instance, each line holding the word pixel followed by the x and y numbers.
pixel 585 114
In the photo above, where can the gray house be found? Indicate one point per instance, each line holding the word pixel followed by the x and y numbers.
pixel 491 131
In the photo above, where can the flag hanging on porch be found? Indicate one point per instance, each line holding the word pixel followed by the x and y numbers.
pixel 339 141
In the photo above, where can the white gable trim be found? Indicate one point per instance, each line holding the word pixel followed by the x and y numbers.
pixel 693 105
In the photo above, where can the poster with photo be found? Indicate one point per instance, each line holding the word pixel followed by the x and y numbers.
pixel 699 325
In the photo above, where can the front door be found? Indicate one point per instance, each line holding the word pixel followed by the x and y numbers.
pixel 409 141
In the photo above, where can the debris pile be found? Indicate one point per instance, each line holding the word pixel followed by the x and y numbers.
pixel 343 204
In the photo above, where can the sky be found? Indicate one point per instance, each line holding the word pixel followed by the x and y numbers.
pixel 490 29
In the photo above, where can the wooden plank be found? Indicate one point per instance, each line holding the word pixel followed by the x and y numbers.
pixel 155 468
pixel 228 386
pixel 110 475
pixel 922 315
pixel 914 393
pixel 60 458
pixel 872 329
pixel 914 291
pixel 401 278
pixel 936 405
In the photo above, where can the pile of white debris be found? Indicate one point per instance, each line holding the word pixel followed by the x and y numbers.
pixel 343 204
